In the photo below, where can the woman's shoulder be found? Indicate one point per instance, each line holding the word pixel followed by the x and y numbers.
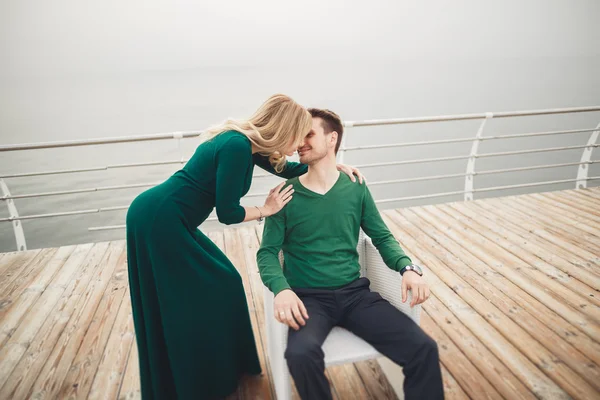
pixel 232 137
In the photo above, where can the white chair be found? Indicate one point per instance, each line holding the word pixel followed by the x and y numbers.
pixel 341 346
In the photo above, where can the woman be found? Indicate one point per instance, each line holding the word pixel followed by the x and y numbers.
pixel 189 306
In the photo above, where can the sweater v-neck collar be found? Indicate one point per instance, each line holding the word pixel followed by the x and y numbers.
pixel 321 194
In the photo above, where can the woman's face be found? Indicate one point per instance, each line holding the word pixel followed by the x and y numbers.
pixel 290 148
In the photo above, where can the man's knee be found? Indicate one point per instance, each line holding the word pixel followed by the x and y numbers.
pixel 427 348
pixel 303 351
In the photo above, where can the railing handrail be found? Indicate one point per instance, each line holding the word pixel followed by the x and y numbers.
pixel 468 175
pixel 460 117
pixel 393 121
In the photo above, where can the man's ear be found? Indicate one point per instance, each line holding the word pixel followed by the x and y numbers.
pixel 334 136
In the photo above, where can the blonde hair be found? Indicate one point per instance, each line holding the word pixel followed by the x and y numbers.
pixel 278 121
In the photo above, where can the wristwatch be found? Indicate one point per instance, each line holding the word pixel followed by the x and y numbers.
pixel 412 267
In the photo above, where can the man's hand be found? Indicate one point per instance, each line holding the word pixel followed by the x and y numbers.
pixel 420 290
pixel 289 309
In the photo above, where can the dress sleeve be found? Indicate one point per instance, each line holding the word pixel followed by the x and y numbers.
pixel 233 158
pixel 291 170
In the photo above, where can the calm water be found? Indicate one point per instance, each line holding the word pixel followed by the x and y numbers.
pixel 61 108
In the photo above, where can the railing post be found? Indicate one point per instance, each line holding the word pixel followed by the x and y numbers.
pixel 342 149
pixel 178 136
pixel 586 156
pixel 470 173
pixel 17 224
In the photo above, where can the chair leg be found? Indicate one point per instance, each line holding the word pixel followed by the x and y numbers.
pixel 283 385
pixel 287 395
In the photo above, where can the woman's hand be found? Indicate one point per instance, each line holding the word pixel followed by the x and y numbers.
pixel 277 199
pixel 351 171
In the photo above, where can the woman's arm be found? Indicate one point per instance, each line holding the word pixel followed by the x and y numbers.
pixel 275 201
pixel 292 169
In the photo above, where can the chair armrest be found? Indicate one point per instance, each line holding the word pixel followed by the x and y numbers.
pixel 277 334
pixel 387 282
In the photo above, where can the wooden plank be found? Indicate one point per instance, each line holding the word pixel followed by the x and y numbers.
pixel 496 288
pixel 111 369
pixel 520 266
pixel 575 202
pixel 375 381
pixel 519 241
pixel 254 387
pixel 588 216
pixel 475 344
pixel 591 193
pixel 501 376
pixel 539 258
pixel 15 284
pixel 79 378
pixel 131 387
pixel 35 307
pixel 532 283
pixel 346 382
pixel 16 305
pixel 250 246
pixel 452 390
pixel 470 379
pixel 556 220
pixel 537 234
pixel 565 224
pixel 578 215
pixel 19 383
pixel 59 361
pixel 12 264
pixel 6 259
pixel 510 217
pixel 526 334
pixel 219 241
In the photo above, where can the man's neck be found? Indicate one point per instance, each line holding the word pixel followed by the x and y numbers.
pixel 321 176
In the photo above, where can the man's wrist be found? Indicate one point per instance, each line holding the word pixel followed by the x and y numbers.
pixel 412 267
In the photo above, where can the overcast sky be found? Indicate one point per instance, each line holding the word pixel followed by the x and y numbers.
pixel 75 36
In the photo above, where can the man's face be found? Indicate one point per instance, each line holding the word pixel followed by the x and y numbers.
pixel 316 144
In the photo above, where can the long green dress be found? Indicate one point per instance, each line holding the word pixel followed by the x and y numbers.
pixel 190 313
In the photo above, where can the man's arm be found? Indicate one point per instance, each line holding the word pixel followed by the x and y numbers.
pixel 267 256
pixel 288 308
pixel 373 225
pixel 391 252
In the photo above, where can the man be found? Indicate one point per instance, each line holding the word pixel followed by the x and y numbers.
pixel 320 285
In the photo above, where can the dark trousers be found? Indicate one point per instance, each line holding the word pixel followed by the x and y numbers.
pixel 367 315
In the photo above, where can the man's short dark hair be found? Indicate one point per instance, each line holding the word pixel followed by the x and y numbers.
pixel 331 122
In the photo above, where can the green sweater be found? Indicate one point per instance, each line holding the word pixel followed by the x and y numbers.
pixel 319 234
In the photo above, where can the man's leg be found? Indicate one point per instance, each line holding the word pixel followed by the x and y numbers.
pixel 304 355
pixel 398 337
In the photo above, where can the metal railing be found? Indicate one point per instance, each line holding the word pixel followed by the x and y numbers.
pixel 469 175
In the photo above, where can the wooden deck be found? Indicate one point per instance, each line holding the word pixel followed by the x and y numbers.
pixel 514 308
